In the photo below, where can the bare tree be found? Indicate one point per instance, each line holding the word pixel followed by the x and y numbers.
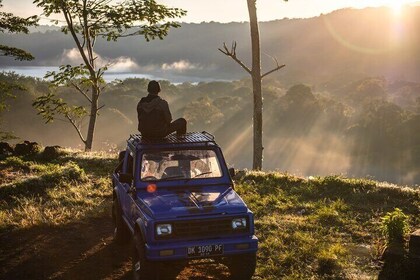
pixel 257 77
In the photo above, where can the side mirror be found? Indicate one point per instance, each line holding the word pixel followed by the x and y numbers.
pixel 126 178
pixel 232 172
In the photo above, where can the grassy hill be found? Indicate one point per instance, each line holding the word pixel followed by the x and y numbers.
pixel 55 222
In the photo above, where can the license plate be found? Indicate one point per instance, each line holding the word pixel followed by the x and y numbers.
pixel 205 250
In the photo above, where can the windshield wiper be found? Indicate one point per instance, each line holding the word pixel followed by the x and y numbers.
pixel 173 177
pixel 204 173
pixel 198 175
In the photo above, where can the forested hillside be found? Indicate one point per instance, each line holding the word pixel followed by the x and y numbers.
pixel 363 127
pixel 354 43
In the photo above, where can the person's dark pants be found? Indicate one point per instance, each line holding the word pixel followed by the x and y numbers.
pixel 178 125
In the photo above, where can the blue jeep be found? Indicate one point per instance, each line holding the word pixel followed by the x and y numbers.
pixel 175 200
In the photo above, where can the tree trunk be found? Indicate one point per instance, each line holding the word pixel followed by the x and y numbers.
pixel 92 119
pixel 256 85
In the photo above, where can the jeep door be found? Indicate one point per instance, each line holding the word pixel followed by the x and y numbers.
pixel 125 189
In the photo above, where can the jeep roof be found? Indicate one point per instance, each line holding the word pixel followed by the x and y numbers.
pixel 190 139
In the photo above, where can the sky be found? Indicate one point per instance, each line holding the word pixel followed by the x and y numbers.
pixel 236 10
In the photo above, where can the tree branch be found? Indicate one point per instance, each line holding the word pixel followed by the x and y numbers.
pixel 83 37
pixel 81 91
pixel 232 54
pixel 18 54
pixel 73 123
pixel 96 4
pixel 70 25
pixel 274 70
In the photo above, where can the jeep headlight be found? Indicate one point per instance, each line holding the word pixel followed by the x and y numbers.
pixel 239 223
pixel 163 229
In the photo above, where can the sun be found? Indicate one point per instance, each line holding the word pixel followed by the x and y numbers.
pixel 396 5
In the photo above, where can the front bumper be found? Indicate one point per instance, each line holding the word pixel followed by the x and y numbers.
pixel 232 246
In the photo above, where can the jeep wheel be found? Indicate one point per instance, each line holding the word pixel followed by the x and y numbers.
pixel 142 268
pixel 242 267
pixel 121 233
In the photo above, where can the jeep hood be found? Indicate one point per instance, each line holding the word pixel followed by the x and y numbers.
pixel 175 202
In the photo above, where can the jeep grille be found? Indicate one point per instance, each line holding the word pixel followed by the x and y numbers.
pixel 204 228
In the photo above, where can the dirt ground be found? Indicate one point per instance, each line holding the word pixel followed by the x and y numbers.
pixel 82 250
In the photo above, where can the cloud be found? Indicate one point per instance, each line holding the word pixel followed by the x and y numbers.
pixel 179 66
pixel 71 56
pixel 123 64
pixel 119 64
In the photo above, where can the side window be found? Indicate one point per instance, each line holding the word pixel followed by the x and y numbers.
pixel 120 165
pixel 129 165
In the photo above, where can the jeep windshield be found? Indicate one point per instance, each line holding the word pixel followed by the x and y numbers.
pixel 179 164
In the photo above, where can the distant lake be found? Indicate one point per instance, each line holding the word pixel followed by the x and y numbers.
pixel 109 76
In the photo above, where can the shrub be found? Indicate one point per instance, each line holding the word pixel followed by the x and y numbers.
pixel 395 225
pixel 5 149
pixel 73 172
pixel 27 148
pixel 52 152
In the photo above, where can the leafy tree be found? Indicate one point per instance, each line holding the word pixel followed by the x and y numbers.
pixel 255 72
pixel 86 21
pixel 366 91
pixel 379 139
pixel 297 110
pixel 8 87
pixel 15 24
pixel 300 94
pixel 202 111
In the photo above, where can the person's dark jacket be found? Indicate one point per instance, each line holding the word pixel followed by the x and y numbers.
pixel 154 116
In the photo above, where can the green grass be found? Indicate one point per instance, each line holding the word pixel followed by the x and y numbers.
pixel 323 227
pixel 36 192
pixel 317 228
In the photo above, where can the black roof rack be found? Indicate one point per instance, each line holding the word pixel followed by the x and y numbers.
pixel 188 138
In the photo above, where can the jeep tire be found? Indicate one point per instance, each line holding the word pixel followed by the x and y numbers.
pixel 242 267
pixel 121 232
pixel 142 268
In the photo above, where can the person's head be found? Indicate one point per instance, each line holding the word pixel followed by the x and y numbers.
pixel 153 87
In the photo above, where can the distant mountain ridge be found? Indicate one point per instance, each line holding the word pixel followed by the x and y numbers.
pixel 371 41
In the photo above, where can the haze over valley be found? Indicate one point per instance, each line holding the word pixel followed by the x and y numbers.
pixel 347 102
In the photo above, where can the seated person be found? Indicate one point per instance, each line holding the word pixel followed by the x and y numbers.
pixel 155 119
